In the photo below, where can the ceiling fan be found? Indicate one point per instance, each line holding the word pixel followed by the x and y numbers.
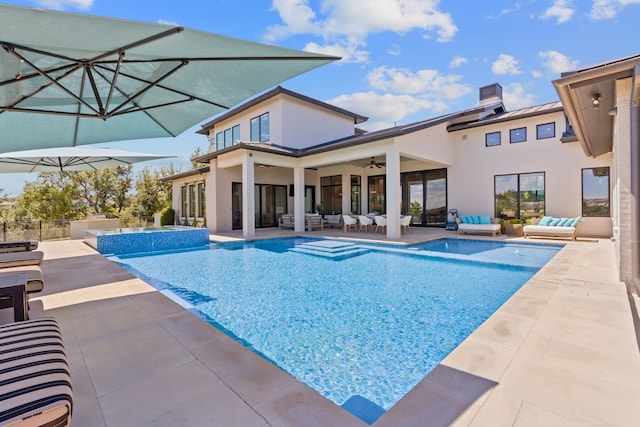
pixel 373 163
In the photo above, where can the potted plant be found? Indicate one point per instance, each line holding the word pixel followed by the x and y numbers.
pixel 513 227
pixel 319 209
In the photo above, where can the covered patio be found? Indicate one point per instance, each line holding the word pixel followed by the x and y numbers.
pixel 562 351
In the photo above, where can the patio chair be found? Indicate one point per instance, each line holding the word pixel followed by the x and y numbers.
pixel 19 259
pixel 381 222
pixel 405 223
pixel 349 222
pixel 365 222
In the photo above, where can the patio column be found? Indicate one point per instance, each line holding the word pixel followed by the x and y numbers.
pixel 393 193
pixel 298 198
pixel 346 193
pixel 210 190
pixel 248 197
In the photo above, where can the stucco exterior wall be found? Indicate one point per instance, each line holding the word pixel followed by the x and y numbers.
pixel 471 176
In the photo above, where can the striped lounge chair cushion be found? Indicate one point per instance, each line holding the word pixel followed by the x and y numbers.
pixel 35 384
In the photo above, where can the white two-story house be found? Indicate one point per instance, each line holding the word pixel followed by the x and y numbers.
pixel 283 152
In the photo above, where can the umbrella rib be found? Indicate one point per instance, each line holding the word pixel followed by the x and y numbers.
pixel 170 32
pixel 116 73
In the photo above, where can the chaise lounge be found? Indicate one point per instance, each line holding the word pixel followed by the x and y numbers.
pixel 478 224
pixel 35 383
pixel 553 227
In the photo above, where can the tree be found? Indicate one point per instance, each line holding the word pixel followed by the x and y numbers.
pixel 105 191
pixel 54 195
pixel 196 153
pixel 152 195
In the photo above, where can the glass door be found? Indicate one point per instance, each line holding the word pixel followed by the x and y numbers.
pixel 414 183
pixel 425 197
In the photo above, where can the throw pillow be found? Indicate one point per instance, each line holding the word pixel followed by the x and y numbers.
pixel 554 222
pixel 485 219
pixel 545 220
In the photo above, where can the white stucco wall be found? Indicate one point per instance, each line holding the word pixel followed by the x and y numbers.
pixel 471 176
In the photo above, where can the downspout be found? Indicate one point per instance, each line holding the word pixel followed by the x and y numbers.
pixel 635 178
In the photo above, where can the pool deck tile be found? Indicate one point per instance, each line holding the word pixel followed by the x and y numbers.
pixel 563 351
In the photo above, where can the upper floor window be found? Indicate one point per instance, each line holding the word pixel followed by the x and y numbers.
pixel 228 137
pixel 517 135
pixel 492 139
pixel 595 192
pixel 546 130
pixel 260 128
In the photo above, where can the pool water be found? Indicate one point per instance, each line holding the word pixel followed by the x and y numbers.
pixel 346 319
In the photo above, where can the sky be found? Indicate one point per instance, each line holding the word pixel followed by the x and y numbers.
pixel 402 60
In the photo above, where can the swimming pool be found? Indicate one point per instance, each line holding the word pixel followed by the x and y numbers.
pixel 346 319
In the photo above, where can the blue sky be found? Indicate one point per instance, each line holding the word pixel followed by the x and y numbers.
pixel 403 60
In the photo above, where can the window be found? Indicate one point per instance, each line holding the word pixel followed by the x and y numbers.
pixel 595 192
pixel 519 195
pixel 227 138
pixel 235 134
pixel 184 200
pixel 546 130
pixel 201 200
pixel 517 135
pixel 219 140
pixel 260 128
pixel 355 194
pixel 492 139
pixel 377 193
pixel 192 200
pixel 331 196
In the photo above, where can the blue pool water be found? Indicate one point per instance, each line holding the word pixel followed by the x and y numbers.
pixel 349 320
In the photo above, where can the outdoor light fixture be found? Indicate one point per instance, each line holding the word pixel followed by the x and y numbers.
pixel 595 100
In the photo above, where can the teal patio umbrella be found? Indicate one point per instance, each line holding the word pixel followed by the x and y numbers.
pixel 70 79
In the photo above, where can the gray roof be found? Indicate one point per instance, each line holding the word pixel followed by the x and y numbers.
pixel 535 110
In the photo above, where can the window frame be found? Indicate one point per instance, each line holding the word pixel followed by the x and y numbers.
pixel 512 140
pixel 553 134
pixel 200 195
pixel 258 124
pixel 486 139
pixel 518 192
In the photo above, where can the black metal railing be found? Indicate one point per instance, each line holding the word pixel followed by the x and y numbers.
pixel 54 229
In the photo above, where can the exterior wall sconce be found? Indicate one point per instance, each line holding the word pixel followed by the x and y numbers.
pixel 595 100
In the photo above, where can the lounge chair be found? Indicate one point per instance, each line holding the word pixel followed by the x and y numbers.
pixel 35 383
pixel 22 258
pixel 349 222
pixel 553 227
pixel 313 221
pixel 18 245
pixel 478 224
pixel 35 280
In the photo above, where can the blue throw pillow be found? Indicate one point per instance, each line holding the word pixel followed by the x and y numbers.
pixel 484 219
pixel 464 220
pixel 574 222
pixel 478 219
pixel 545 220
pixel 554 222
pixel 564 221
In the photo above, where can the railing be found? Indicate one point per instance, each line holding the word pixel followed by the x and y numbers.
pixel 53 230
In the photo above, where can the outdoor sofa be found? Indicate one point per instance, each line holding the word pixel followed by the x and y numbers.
pixel 553 227
pixel 35 383
pixel 478 224
pixel 18 245
pixel 286 221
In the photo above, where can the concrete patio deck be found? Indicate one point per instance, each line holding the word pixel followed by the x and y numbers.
pixel 562 351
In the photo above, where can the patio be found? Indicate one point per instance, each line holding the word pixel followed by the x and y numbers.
pixel 562 351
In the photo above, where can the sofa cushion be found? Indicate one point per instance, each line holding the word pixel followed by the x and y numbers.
pixel 564 221
pixel 554 222
pixel 545 220
pixel 574 222
pixel 485 219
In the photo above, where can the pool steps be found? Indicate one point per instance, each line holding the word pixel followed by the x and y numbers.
pixel 330 249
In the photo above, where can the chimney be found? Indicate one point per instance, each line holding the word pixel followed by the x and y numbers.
pixel 490 94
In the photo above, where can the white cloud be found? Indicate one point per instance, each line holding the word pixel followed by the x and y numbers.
pixel 557 62
pixel 561 11
pixel 537 74
pixel 458 61
pixel 395 50
pixel 385 110
pixel 608 9
pixel 427 83
pixel 348 52
pixel 349 23
pixel 65 4
pixel 514 97
pixel 505 64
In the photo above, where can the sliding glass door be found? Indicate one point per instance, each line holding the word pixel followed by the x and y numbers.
pixel 425 197
pixel 270 204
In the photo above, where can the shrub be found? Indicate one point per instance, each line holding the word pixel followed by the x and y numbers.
pixel 168 217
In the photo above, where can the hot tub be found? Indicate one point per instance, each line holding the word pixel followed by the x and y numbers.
pixel 120 241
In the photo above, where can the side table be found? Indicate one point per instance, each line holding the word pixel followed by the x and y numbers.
pixel 14 286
